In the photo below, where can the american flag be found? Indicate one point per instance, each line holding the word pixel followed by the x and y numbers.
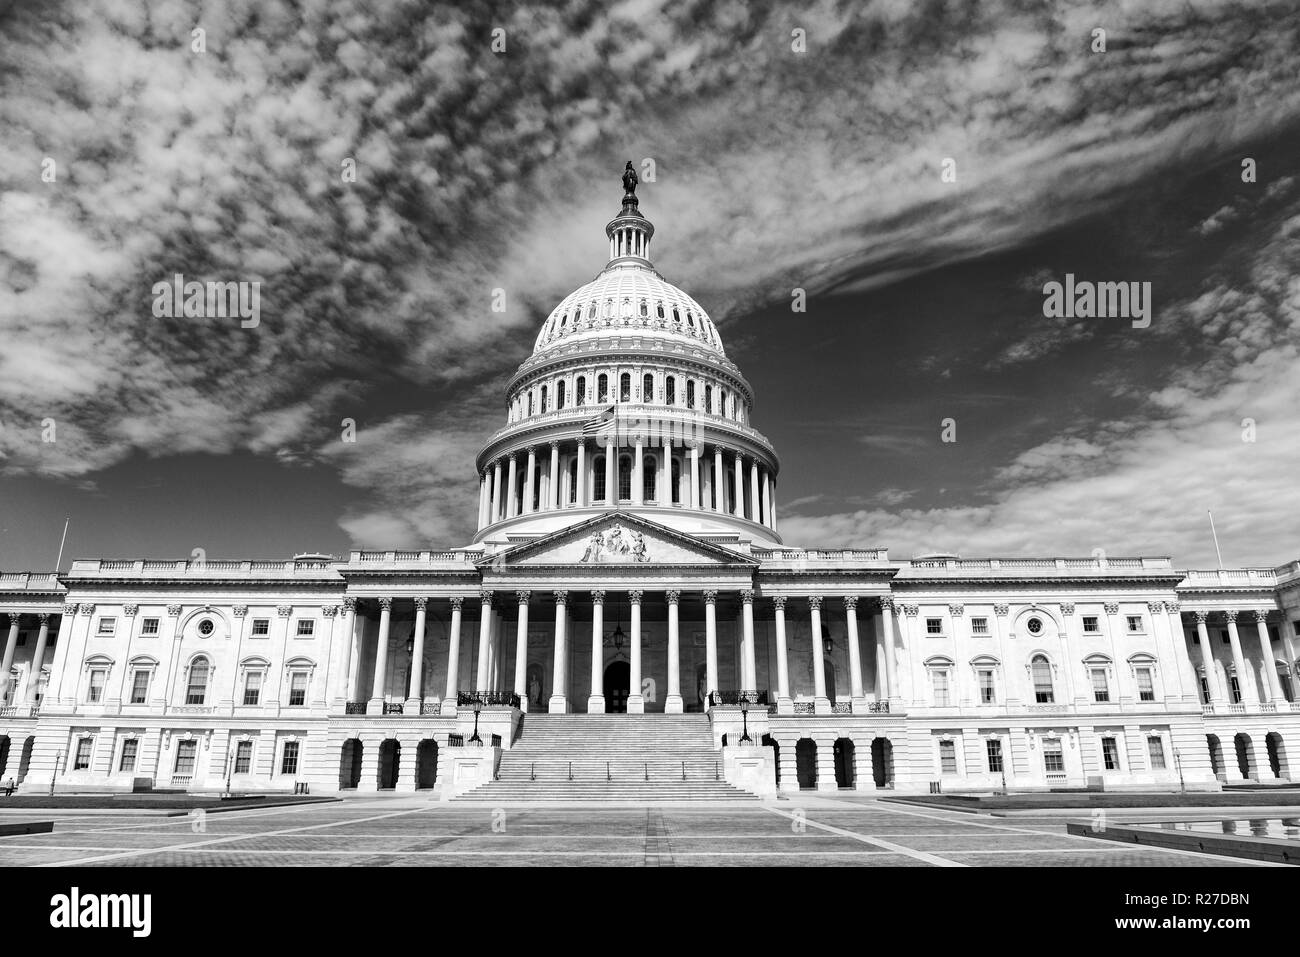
pixel 595 424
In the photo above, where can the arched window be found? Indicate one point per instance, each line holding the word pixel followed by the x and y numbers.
pixel 670 391
pixel 598 482
pixel 602 388
pixel 645 309
pixel 564 319
pixel 677 316
pixel 677 482
pixel 573 481
pixel 647 388
pixel 690 394
pixel 659 309
pixel 1041 670
pixel 580 391
pixel 559 394
pixel 591 310
pixel 609 307
pixel 722 402
pixel 648 472
pixel 530 402
pixel 708 399
pixel 624 477
pixel 690 318
pixel 197 687
pixel 625 387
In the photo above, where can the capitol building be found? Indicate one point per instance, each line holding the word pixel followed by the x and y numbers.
pixel 628 622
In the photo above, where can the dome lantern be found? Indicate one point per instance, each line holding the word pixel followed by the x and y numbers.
pixel 629 232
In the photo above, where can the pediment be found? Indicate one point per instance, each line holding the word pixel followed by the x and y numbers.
pixel 617 539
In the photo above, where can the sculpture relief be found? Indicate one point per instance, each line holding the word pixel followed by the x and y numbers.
pixel 617 545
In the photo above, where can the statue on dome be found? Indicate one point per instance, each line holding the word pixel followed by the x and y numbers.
pixel 630 179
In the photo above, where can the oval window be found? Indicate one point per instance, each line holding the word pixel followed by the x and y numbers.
pixel 1035 625
pixel 206 627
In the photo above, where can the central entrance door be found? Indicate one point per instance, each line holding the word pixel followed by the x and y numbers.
pixel 618 676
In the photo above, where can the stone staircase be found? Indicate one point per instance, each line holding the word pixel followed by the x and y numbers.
pixel 610 757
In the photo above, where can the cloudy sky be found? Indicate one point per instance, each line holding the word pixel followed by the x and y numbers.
pixel 818 168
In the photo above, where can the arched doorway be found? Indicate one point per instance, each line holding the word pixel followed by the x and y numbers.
pixel 618 678
pixel 350 764
pixel 769 741
pixel 25 760
pixel 1276 754
pixel 805 763
pixel 4 753
pixel 844 763
pixel 1245 759
pixel 882 762
pixel 426 764
pixel 390 757
pixel 1216 755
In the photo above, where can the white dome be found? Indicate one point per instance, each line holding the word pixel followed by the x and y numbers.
pixel 628 296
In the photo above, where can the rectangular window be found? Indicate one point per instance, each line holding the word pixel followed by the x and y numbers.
pixel 107 626
pixel 1156 748
pixel 1110 754
pixel 987 691
pixel 1146 685
pixel 1090 625
pixel 1295 627
pixel 306 627
pixel 939 681
pixel 1223 637
pixel 289 763
pixel 252 687
pixel 149 626
pixel 95 692
pixel 995 756
pixel 298 688
pixel 1236 690
pixel 1100 689
pixel 948 757
pixel 934 626
pixel 1205 690
pixel 261 627
pixel 129 747
pixel 1134 624
pixel 82 761
pixel 1053 759
pixel 185 757
pixel 979 626
pixel 243 757
pixel 139 687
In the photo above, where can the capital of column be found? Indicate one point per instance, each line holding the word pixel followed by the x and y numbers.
pixel 673 596
pixel 561 596
pixel 43 618
pixel 710 597
pixel 530 449
pixel 956 611
pixel 485 596
pixel 1201 617
pixel 512 455
pixel 457 602
pixel 89 609
pixel 1111 607
pixel 349 604
pixel 130 610
pixel 1002 610
pixel 779 603
pixel 173 611
pixel 747 596
pixel 1173 607
pixel 523 595
pixel 1261 615
pixel 284 611
pixel 886 603
pixel 555 444
pixel 70 609
pixel 851 602
pixel 421 603
pixel 911 611
pixel 582 443
pixel 241 611
pixel 598 596
pixel 815 602
pixel 1155 607
pixel 330 611
pixel 1067 609
pixel 1231 616
pixel 635 596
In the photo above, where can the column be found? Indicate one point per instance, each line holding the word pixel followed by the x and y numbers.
pixel 1123 689
pixel 38 658
pixel 558 703
pixel 11 645
pixel 635 700
pixel 521 648
pixel 1270 660
pixel 484 637
pixel 771 501
pixel 749 671
pixel 782 667
pixel 855 653
pixel 553 481
pixel 822 704
pixel 342 686
pixel 719 485
pixel 582 473
pixel 695 475
pixel 673 702
pixel 755 501
pixel 1191 688
pixel 666 474
pixel 739 510
pixel 596 700
pixel 1290 661
pixel 415 693
pixel 529 479
pixel 638 470
pixel 1218 694
pixel 453 657
pixel 893 692
pixel 710 645
pixel 1245 680
pixel 484 498
pixel 497 510
pixel 512 506
pixel 381 658
pixel 611 471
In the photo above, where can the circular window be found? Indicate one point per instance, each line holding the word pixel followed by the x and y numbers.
pixel 1035 625
pixel 206 627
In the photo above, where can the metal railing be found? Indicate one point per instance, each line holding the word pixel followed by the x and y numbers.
pixel 354 707
pixel 455 740
pixel 738 697
pixel 488 698
pixel 430 707
pixel 394 707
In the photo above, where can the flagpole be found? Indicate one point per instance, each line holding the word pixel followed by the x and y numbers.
pixel 58 565
pixel 1216 537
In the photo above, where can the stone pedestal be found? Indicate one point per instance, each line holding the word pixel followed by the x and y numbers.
pixel 750 768
pixel 596 704
pixel 635 704
pixel 673 704
pixel 558 704
pixel 785 706
pixel 375 706
pixel 822 706
pixel 448 708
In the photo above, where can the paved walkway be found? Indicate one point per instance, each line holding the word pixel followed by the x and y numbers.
pixel 414 831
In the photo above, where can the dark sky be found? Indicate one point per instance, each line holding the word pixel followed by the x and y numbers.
pixel 773 169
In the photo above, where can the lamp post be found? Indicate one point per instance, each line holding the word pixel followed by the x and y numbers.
pixel 1178 763
pixel 478 706
pixel 57 759
pixel 744 716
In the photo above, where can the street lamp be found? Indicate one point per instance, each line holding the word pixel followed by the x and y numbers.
pixel 478 706
pixel 57 759
pixel 744 716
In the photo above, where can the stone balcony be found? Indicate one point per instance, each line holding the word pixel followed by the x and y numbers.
pixel 205 570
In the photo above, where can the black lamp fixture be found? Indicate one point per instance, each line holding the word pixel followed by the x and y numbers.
pixel 478 706
pixel 618 636
pixel 827 644
pixel 744 714
pixel 410 646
